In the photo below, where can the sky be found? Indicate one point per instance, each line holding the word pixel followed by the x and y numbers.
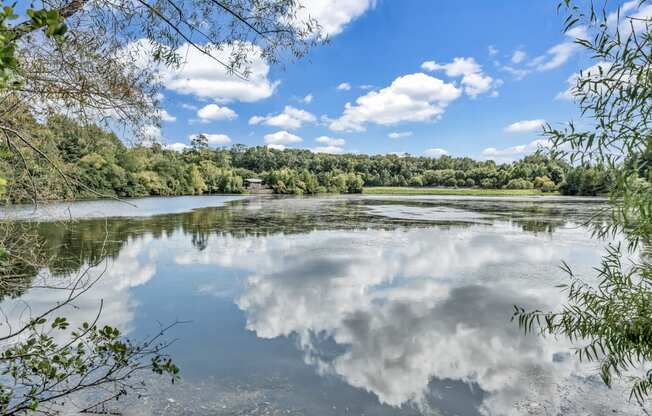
pixel 424 77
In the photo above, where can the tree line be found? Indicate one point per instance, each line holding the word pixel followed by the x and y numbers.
pixel 95 162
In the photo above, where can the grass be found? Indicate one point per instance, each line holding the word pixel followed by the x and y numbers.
pixel 400 190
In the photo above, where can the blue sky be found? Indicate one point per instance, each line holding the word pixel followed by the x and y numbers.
pixel 443 76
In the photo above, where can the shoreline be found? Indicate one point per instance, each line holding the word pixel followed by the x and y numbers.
pixel 406 190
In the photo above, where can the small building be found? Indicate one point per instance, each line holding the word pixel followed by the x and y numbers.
pixel 256 186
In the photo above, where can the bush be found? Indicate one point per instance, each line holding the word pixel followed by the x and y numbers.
pixel 545 184
pixel 519 184
pixel 488 183
pixel 416 180
pixel 548 187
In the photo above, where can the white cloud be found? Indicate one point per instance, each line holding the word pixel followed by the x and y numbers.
pixel 165 116
pixel 282 137
pixel 201 76
pixel 518 56
pixel 399 134
pixel 290 118
pixel 518 73
pixel 151 134
pixel 214 139
pixel 277 146
pixel 332 145
pixel 334 15
pixel 435 152
pixel 515 152
pixel 413 97
pixel 559 54
pixel 492 50
pixel 631 17
pixel 307 99
pixel 189 106
pixel 474 81
pixel 329 149
pixel 177 147
pixel 525 126
pixel 555 56
pixel 595 72
pixel 213 112
pixel 330 141
pixel 345 86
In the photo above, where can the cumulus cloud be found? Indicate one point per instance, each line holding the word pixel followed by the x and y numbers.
pixel 330 145
pixel 277 146
pixel 474 81
pixel 511 153
pixel 213 112
pixel 632 17
pixel 518 73
pixel 188 106
pixel 435 152
pixel 330 141
pixel 559 54
pixel 334 15
pixel 345 86
pixel 177 147
pixel 525 126
pixel 213 139
pixel 555 56
pixel 413 97
pixel 165 116
pixel 492 50
pixel 199 75
pixel 518 56
pixel 399 134
pixel 307 99
pixel 290 118
pixel 282 137
pixel 151 134
pixel 335 150
pixel 594 71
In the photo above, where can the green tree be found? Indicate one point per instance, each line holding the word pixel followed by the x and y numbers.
pixel 611 321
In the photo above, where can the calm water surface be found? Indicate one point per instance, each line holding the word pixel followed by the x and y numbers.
pixel 341 305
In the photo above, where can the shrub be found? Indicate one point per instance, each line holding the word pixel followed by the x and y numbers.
pixel 519 184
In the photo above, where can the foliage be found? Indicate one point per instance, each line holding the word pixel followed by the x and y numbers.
pixel 98 62
pixel 42 360
pixel 402 190
pixel 611 320
pixel 44 370
pixel 95 163
pixel 544 184
pixel 51 20
pixel 519 184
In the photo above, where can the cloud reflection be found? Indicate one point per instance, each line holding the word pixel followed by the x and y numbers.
pixel 133 266
pixel 410 306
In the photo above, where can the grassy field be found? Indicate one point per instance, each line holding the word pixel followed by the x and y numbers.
pixel 399 190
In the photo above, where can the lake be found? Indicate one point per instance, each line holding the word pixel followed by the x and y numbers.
pixel 351 305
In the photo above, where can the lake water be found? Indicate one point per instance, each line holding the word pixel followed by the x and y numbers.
pixel 339 305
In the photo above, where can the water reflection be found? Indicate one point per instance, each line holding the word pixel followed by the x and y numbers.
pixel 406 300
pixel 409 307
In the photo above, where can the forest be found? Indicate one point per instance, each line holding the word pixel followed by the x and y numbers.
pixel 88 161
